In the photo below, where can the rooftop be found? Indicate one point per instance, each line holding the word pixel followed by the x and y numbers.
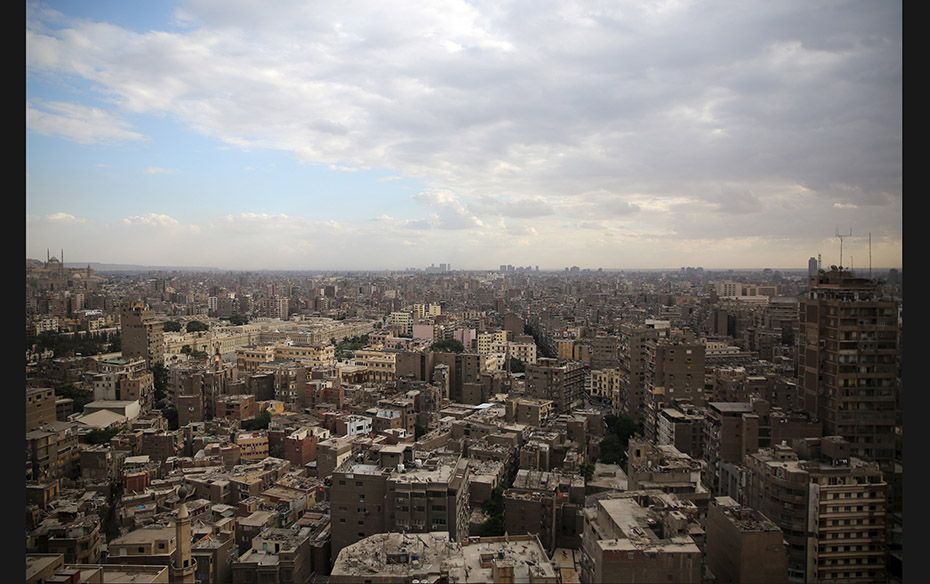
pixel 523 553
pixel 731 406
pixel 146 535
pixel 746 519
pixel 395 554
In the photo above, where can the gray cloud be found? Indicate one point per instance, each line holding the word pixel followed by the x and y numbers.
pixel 652 106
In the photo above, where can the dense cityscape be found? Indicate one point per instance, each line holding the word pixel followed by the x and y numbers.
pixel 464 291
pixel 443 426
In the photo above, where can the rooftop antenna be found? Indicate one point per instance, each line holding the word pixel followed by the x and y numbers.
pixel 841 236
pixel 870 255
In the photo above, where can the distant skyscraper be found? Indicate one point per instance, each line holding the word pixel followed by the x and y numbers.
pixel 812 267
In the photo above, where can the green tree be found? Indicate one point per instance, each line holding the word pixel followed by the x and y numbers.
pixel 81 398
pixel 195 326
pixel 494 508
pixel 171 415
pixel 616 441
pixel 587 470
pixel 258 423
pixel 238 319
pixel 172 326
pixel 516 366
pixel 419 431
pixel 160 375
pixel 101 436
pixel 447 346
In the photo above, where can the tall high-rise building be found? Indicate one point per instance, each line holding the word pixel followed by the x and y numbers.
pixel 632 353
pixel 829 505
pixel 142 334
pixel 563 383
pixel 848 361
pixel 812 267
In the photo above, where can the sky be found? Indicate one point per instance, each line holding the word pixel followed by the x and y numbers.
pixel 353 135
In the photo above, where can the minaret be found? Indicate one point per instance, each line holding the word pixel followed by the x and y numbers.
pixel 184 565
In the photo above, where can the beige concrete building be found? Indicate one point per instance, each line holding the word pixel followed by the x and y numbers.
pixel 605 386
pixel 547 504
pixel 397 558
pixel 48 568
pixel 142 334
pixel 323 355
pixel 743 545
pixel 40 407
pixel 394 558
pixel 530 411
pixel 683 428
pixel 561 382
pixel 400 322
pixel 253 446
pixel 849 361
pixel 523 351
pixel 665 468
pixel 389 490
pixel 382 365
pixel 148 545
pixel 605 352
pixel 277 556
pixel 639 536
pixel 829 505
pixel 633 339
pixel 486 342
pixel 53 451
pixel 248 359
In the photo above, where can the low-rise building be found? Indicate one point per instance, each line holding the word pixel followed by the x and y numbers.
pixel 639 536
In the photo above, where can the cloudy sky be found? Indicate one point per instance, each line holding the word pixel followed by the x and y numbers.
pixel 366 134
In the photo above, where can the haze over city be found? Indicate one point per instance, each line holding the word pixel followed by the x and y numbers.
pixel 464 291
pixel 365 135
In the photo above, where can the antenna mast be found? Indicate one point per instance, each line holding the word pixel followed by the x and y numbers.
pixel 870 255
pixel 840 237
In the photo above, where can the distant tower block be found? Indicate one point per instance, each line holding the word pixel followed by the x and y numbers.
pixel 812 267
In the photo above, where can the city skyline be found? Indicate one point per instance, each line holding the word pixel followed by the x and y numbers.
pixel 649 136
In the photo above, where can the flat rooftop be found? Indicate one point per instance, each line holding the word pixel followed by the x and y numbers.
pixel 146 535
pixel 522 552
pixel 731 406
pixel 36 563
pixel 395 554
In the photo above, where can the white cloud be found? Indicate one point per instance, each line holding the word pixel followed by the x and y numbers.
pixel 158 170
pixel 64 218
pixel 78 123
pixel 670 119
pixel 449 212
pixel 152 220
